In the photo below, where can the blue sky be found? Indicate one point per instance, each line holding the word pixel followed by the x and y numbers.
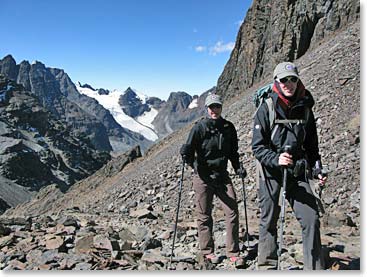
pixel 155 47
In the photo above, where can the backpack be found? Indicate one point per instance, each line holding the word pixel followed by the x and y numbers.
pixel 262 95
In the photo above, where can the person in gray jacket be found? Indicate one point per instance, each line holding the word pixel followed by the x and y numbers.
pixel 294 126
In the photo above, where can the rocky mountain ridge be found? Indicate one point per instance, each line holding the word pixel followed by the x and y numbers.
pixel 36 149
pixel 57 93
pixel 177 112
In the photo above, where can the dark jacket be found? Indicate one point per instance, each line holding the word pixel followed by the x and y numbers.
pixel 301 137
pixel 214 142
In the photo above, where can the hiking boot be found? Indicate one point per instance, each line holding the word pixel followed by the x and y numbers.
pixel 212 258
pixel 237 261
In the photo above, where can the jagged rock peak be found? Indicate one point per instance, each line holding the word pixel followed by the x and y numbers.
pixel 38 63
pixel 132 104
pixel 102 91
pixel 130 93
pixel 180 100
pixel 86 86
pixel 9 58
pixel 8 67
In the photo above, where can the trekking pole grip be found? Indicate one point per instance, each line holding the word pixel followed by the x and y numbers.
pixel 287 149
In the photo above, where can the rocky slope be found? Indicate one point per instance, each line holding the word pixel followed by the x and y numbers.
pixel 125 219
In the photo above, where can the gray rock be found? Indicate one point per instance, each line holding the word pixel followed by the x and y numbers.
pixel 142 213
pixel 34 256
pixel 84 244
pixel 69 221
pixel 4 231
pixel 151 243
pixel 83 266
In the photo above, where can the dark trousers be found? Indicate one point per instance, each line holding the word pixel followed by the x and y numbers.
pixel 304 206
pixel 204 193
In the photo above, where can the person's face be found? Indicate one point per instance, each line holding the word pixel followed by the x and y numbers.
pixel 215 111
pixel 288 85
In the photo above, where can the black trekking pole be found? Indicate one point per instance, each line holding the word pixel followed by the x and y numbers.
pixel 178 209
pixel 244 203
pixel 282 214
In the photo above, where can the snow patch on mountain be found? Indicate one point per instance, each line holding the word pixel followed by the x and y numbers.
pixel 110 102
pixel 141 96
pixel 194 103
pixel 147 118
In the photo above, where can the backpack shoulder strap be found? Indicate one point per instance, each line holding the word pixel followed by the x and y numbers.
pixel 271 109
pixel 272 114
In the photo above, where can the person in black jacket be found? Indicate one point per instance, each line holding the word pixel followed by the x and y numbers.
pixel 211 143
pixel 294 125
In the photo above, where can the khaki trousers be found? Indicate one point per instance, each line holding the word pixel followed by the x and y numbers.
pixel 204 193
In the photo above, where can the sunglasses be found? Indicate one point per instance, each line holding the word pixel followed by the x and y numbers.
pixel 215 106
pixel 293 79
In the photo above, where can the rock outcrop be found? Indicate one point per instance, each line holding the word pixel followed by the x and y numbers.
pixel 275 31
pixel 177 112
pixel 131 104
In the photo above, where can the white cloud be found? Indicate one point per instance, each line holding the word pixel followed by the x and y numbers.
pixel 200 48
pixel 219 47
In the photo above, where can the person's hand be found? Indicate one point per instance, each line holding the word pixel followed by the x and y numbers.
pixel 285 159
pixel 241 172
pixel 319 173
pixel 185 151
pixel 322 178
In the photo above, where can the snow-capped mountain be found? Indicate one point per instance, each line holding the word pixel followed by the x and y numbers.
pixel 149 116
pixel 129 108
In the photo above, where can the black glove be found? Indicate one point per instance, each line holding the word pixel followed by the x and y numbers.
pixel 241 172
pixel 185 152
